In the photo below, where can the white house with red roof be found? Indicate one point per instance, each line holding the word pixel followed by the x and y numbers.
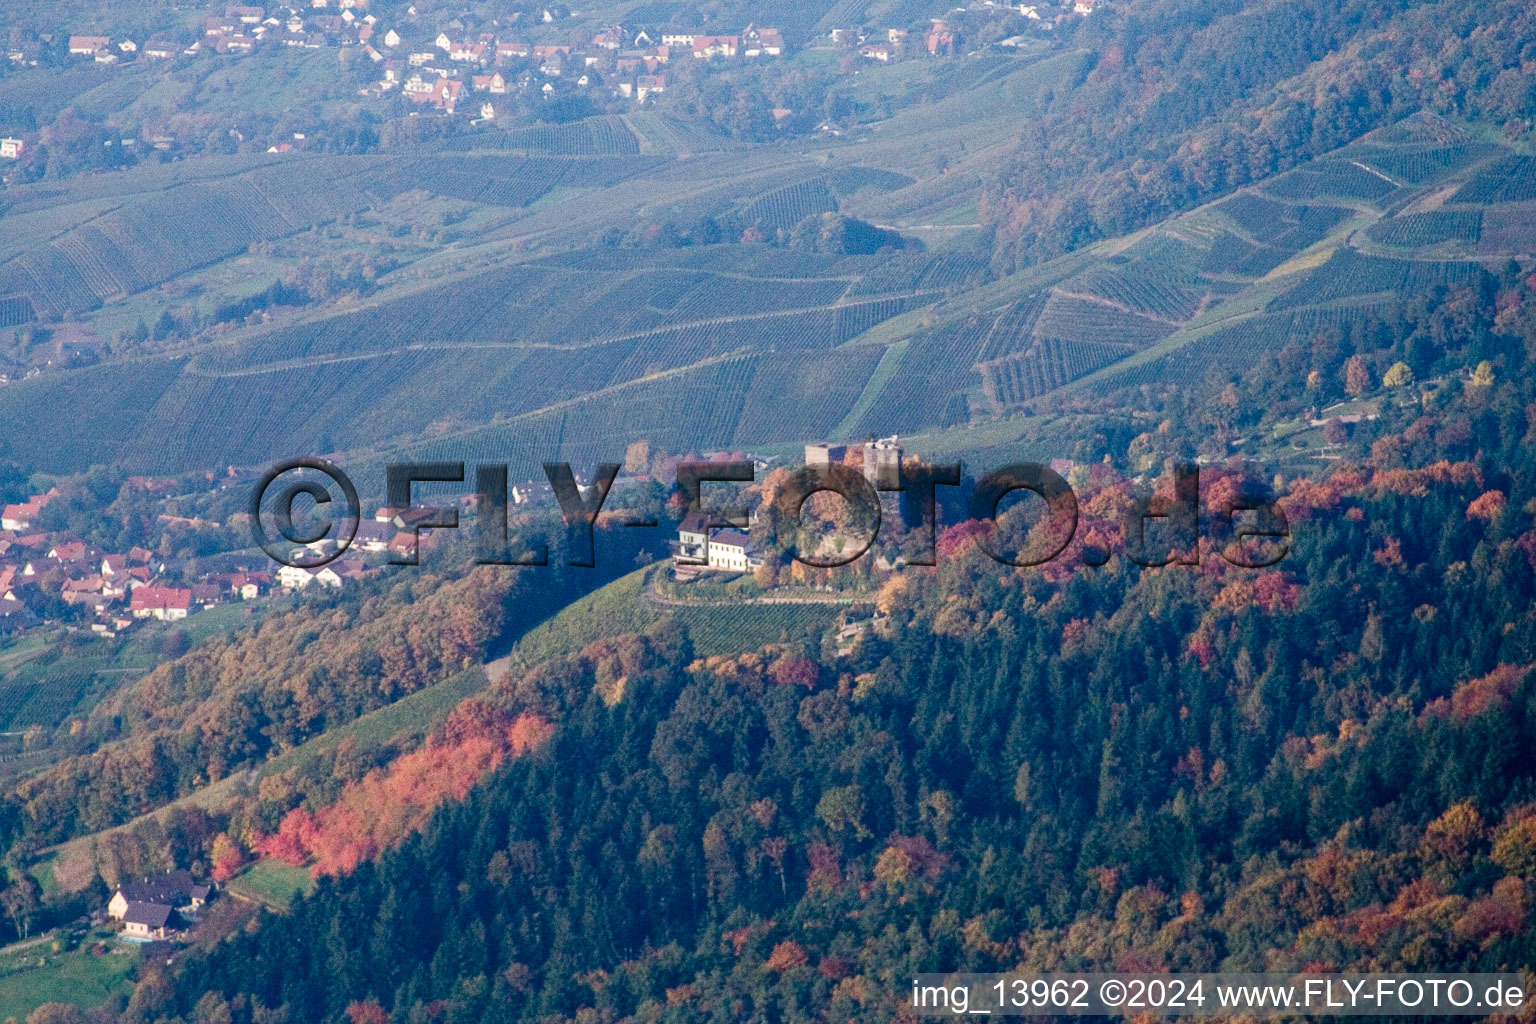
pixel 165 603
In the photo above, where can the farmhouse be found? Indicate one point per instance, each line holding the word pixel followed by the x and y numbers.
pixel 11 149
pixel 148 908
pixel 174 889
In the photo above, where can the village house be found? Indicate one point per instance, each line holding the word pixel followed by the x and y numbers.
pixel 705 47
pixel 160 49
pixel 70 551
pixel 11 149
pixel 762 42
pixel 374 537
pixel 20 517
pixel 292 577
pixel 207 595
pixel 88 46
pixel 444 94
pixel 876 51
pixel 246 585
pixel 168 604
pixel 647 84
pixel 684 39
pixel 492 83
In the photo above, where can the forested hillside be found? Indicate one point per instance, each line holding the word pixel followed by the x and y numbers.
pixel 1323 764
pixel 1288 243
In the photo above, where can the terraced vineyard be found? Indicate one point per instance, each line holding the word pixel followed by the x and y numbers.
pixel 44 695
pixel 1511 179
pixel 594 136
pixel 159 236
pixel 1419 229
pixel 1046 365
pixel 534 339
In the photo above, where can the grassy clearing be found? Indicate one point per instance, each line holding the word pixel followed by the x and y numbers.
pixel 272 883
pixel 225 618
pixel 33 974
